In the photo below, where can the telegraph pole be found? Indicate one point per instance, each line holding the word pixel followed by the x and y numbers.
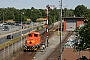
pixel 21 28
pixel 60 30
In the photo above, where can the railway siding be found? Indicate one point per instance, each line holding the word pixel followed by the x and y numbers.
pixel 30 55
pixel 53 42
pixel 56 52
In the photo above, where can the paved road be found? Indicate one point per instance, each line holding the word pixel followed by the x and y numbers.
pixel 11 29
pixel 17 34
pixel 4 39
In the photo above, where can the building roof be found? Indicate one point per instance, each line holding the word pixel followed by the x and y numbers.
pixel 41 19
pixel 10 21
pixel 73 17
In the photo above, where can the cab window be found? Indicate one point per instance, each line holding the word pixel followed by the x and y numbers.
pixel 30 35
pixel 35 35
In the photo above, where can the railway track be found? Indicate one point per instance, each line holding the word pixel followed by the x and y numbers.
pixel 30 55
pixel 56 53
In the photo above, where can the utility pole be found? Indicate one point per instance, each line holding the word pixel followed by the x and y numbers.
pixel 21 28
pixel 60 29
pixel 79 49
pixel 11 32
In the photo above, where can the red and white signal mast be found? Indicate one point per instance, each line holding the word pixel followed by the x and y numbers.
pixel 47 10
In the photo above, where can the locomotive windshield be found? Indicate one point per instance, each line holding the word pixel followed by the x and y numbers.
pixel 30 35
pixel 35 35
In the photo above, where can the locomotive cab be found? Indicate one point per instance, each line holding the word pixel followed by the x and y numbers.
pixel 33 41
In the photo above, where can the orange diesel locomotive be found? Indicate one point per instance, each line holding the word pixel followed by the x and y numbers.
pixel 33 41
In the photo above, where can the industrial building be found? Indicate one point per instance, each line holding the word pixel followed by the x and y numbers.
pixel 71 23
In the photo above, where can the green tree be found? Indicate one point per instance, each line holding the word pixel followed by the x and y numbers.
pixel 34 14
pixel 42 13
pixel 64 12
pixel 33 17
pixel 80 11
pixel 84 34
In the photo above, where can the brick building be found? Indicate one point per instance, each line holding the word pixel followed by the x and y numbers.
pixel 71 23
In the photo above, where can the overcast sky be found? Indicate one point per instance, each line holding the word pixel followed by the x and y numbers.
pixel 20 4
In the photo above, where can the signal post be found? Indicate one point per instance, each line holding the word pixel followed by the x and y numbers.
pixel 47 10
